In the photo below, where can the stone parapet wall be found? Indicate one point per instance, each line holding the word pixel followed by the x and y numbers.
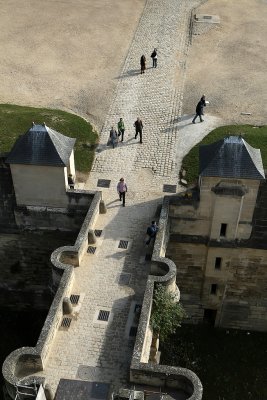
pixel 68 218
pixel 141 371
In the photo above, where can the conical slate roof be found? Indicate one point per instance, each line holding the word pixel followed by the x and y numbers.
pixel 231 157
pixel 41 145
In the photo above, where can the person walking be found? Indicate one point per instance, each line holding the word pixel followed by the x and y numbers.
pixel 122 189
pixel 203 100
pixel 151 231
pixel 113 136
pixel 154 57
pixel 121 129
pixel 138 129
pixel 143 64
pixel 199 111
pixel 71 181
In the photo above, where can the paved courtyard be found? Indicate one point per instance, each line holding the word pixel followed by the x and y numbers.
pixel 85 75
pixel 93 350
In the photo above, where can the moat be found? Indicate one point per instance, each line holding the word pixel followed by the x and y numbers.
pixel 232 364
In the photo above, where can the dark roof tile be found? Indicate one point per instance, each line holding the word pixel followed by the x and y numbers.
pixel 41 145
pixel 231 157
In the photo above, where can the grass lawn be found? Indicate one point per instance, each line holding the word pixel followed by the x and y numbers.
pixel 231 366
pixel 255 136
pixel 16 120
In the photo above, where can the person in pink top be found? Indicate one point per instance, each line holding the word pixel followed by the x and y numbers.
pixel 122 189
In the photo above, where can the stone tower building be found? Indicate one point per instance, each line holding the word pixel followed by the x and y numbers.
pixel 214 238
pixel 40 162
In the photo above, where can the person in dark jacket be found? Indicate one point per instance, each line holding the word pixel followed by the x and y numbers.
pixel 113 137
pixel 71 181
pixel 143 64
pixel 138 128
pixel 154 57
pixel 199 111
pixel 151 231
pixel 203 100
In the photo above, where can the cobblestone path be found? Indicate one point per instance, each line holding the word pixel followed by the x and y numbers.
pixel 95 351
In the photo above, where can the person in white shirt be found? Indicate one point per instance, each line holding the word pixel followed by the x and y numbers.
pixel 122 189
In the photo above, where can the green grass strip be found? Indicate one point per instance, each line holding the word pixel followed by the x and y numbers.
pixel 256 136
pixel 16 120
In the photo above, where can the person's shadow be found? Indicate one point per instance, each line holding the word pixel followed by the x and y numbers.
pixel 131 72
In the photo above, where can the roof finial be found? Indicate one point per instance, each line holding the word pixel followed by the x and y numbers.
pixel 33 123
pixel 44 124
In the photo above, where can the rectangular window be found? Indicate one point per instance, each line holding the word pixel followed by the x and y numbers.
pixel 223 230
pixel 213 288
pixel 218 262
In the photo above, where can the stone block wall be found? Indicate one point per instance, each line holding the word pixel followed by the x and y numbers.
pixel 34 185
pixel 7 198
pixel 190 261
pixel 222 273
pixel 25 273
pixel 228 201
pixel 68 218
pixel 241 283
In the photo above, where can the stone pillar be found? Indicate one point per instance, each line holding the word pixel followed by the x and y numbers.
pixel 67 306
pixel 48 392
pixel 154 356
pixel 91 237
pixel 102 207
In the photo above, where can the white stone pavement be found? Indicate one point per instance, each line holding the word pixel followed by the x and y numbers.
pixel 156 97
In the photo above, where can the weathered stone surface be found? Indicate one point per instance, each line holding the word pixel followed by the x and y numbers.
pixel 240 281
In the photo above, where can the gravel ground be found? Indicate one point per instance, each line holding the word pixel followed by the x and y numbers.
pixel 227 62
pixel 65 54
pixel 68 54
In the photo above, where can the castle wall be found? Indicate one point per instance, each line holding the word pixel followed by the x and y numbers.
pixel 186 220
pixel 222 201
pixel 7 198
pixel 226 210
pixel 38 218
pixel 241 283
pixel 39 185
pixel 227 201
pixel 25 273
pixel 220 272
pixel 190 262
